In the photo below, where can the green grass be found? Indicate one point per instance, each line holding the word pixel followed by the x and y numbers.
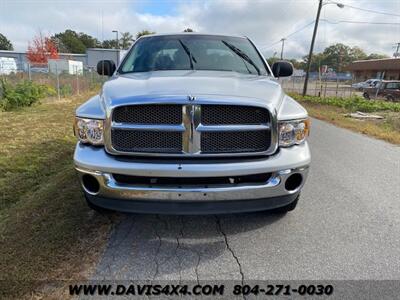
pixel 23 93
pixel 47 233
pixel 352 104
pixel 387 129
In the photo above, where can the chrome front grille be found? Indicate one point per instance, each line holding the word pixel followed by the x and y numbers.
pixel 149 114
pixel 190 129
pixel 233 114
pixel 235 142
pixel 146 141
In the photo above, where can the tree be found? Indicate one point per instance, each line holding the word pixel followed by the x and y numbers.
pixel 109 44
pixel 88 40
pixel 143 32
pixel 70 41
pixel 376 56
pixel 126 40
pixel 41 49
pixel 357 53
pixel 318 60
pixel 337 56
pixel 297 64
pixel 188 30
pixel 5 44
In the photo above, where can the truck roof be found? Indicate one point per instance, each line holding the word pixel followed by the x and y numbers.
pixel 192 33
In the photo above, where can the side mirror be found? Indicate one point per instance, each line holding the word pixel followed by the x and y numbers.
pixel 106 67
pixel 282 69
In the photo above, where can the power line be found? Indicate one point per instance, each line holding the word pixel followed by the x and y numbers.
pixel 270 46
pixel 366 9
pixel 358 22
pixel 338 22
pixel 287 36
pixel 302 28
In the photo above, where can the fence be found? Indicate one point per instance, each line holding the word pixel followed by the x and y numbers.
pixel 73 84
pixel 64 83
pixel 321 88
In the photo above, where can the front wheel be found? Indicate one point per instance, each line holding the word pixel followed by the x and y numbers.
pixel 284 209
pixel 366 96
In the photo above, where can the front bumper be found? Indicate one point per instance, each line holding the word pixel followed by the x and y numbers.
pixel 288 161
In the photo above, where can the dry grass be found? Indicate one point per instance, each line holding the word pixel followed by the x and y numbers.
pixel 47 233
pixel 387 129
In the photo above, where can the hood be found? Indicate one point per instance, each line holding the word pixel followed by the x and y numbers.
pixel 201 84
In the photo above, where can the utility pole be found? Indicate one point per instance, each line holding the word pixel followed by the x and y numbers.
pixel 312 48
pixel 117 45
pixel 283 46
pixel 116 40
pixel 397 53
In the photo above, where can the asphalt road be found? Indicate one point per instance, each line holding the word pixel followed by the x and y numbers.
pixel 346 226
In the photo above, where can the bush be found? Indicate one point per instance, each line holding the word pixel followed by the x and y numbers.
pixel 48 90
pixel 355 103
pixel 66 90
pixel 24 93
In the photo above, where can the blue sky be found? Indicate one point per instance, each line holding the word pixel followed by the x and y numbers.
pixel 264 21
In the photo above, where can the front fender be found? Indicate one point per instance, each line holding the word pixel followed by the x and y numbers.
pixel 93 109
pixel 290 109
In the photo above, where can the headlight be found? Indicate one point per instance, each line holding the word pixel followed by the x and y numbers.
pixel 293 132
pixel 89 130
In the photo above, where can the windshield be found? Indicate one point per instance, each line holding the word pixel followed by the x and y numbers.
pixel 193 52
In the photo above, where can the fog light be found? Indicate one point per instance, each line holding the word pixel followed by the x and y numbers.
pixel 90 184
pixel 293 182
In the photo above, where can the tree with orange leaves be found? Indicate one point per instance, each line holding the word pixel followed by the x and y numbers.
pixel 41 49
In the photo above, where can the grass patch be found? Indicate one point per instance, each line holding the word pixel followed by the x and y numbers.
pixel 47 233
pixel 23 93
pixel 351 104
pixel 387 129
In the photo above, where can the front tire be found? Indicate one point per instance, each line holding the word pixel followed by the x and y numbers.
pixel 366 96
pixel 284 209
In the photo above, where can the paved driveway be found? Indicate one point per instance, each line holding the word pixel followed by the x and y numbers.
pixel 346 226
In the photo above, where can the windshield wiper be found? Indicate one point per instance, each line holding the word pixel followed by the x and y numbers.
pixel 187 50
pixel 241 54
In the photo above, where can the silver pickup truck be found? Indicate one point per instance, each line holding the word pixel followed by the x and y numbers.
pixel 192 124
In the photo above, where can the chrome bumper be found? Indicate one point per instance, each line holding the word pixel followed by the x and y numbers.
pixel 96 162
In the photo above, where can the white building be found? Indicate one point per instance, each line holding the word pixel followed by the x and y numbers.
pixel 58 66
pixel 8 65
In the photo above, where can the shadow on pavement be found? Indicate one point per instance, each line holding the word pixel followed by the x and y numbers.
pixel 149 247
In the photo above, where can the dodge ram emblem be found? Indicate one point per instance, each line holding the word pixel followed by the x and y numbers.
pixel 191 98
